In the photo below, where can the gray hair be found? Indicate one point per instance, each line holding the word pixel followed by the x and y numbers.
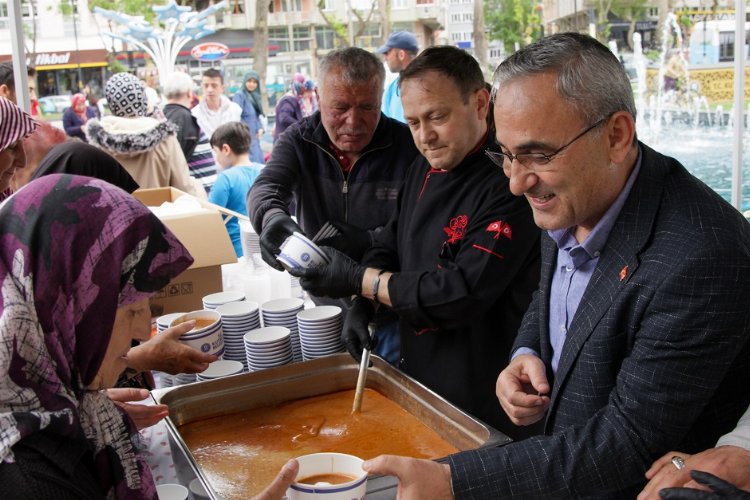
pixel 589 76
pixel 356 66
pixel 177 85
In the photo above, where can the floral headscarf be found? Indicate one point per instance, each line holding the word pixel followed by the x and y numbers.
pixel 302 89
pixel 77 100
pixel 72 251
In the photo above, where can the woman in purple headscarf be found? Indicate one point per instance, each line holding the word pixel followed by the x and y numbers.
pixel 298 103
pixel 79 259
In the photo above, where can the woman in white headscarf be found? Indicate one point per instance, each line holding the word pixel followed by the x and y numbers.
pixel 147 147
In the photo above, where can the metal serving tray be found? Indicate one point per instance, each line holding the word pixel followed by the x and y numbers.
pixel 247 391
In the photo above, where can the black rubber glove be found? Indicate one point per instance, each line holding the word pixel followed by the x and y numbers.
pixel 275 231
pixel 342 277
pixel 351 240
pixel 720 489
pixel 355 335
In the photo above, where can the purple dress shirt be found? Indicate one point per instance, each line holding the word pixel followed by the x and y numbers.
pixel 575 266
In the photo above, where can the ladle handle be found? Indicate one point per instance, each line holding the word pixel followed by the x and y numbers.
pixel 362 377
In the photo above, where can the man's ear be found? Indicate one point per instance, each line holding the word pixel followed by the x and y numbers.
pixel 621 130
pixel 5 91
pixel 483 103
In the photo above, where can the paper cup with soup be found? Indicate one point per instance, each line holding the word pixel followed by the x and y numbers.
pixel 299 252
pixel 330 476
pixel 207 335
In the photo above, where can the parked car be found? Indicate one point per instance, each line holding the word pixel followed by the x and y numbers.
pixel 54 103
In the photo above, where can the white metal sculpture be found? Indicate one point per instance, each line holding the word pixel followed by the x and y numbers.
pixel 175 26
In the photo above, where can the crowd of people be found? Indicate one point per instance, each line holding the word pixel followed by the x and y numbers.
pixel 521 252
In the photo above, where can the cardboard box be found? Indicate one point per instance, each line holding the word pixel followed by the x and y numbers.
pixel 205 236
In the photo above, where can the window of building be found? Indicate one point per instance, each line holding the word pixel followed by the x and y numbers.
pixel 325 38
pixel 726 46
pixel 370 38
pixel 25 10
pixel 468 17
pixel 285 6
pixel 301 38
pixel 425 2
pixel 279 35
pixel 399 4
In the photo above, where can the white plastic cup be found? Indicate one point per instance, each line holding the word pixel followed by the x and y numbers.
pixel 300 252
pixel 329 463
pixel 214 300
pixel 172 492
pixel 208 339
pixel 197 489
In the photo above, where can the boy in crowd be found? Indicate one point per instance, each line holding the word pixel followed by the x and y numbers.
pixel 231 143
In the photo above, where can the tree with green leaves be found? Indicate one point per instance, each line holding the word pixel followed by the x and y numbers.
pixel 513 22
pixel 129 7
pixel 345 33
pixel 631 11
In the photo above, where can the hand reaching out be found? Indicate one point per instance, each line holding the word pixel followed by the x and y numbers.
pixel 277 489
pixel 731 463
pixel 417 478
pixel 142 415
pixel 166 353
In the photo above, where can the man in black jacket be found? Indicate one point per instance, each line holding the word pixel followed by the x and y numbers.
pixel 459 259
pixel 344 164
pixel 178 91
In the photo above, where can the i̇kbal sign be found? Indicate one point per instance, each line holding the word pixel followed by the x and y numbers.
pixel 210 51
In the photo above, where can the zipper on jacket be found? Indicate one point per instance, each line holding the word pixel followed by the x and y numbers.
pixel 345 176
pixel 345 192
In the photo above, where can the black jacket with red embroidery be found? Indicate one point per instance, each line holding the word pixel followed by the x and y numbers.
pixel 466 256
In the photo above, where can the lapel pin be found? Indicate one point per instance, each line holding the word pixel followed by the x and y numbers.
pixel 623 273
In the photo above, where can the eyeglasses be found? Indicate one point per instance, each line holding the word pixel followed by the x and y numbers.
pixel 536 162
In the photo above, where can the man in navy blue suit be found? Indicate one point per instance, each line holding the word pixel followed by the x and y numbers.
pixel 636 342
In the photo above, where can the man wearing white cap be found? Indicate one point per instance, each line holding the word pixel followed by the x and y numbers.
pixel 398 52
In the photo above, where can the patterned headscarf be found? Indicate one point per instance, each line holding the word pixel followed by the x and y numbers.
pixel 126 96
pixel 301 85
pixel 72 251
pixel 15 123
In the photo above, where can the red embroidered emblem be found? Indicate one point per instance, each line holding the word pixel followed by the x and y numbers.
pixel 623 273
pixel 456 228
pixel 499 227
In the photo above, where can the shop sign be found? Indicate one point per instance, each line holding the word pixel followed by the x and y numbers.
pixel 50 58
pixel 210 51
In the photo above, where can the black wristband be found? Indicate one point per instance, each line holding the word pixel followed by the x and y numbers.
pixel 376 287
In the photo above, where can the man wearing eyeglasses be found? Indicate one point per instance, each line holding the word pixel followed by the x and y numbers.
pixel 459 259
pixel 637 341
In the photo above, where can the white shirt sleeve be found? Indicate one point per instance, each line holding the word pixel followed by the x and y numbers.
pixel 740 436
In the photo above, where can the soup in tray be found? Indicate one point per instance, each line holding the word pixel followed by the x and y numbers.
pixel 241 453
